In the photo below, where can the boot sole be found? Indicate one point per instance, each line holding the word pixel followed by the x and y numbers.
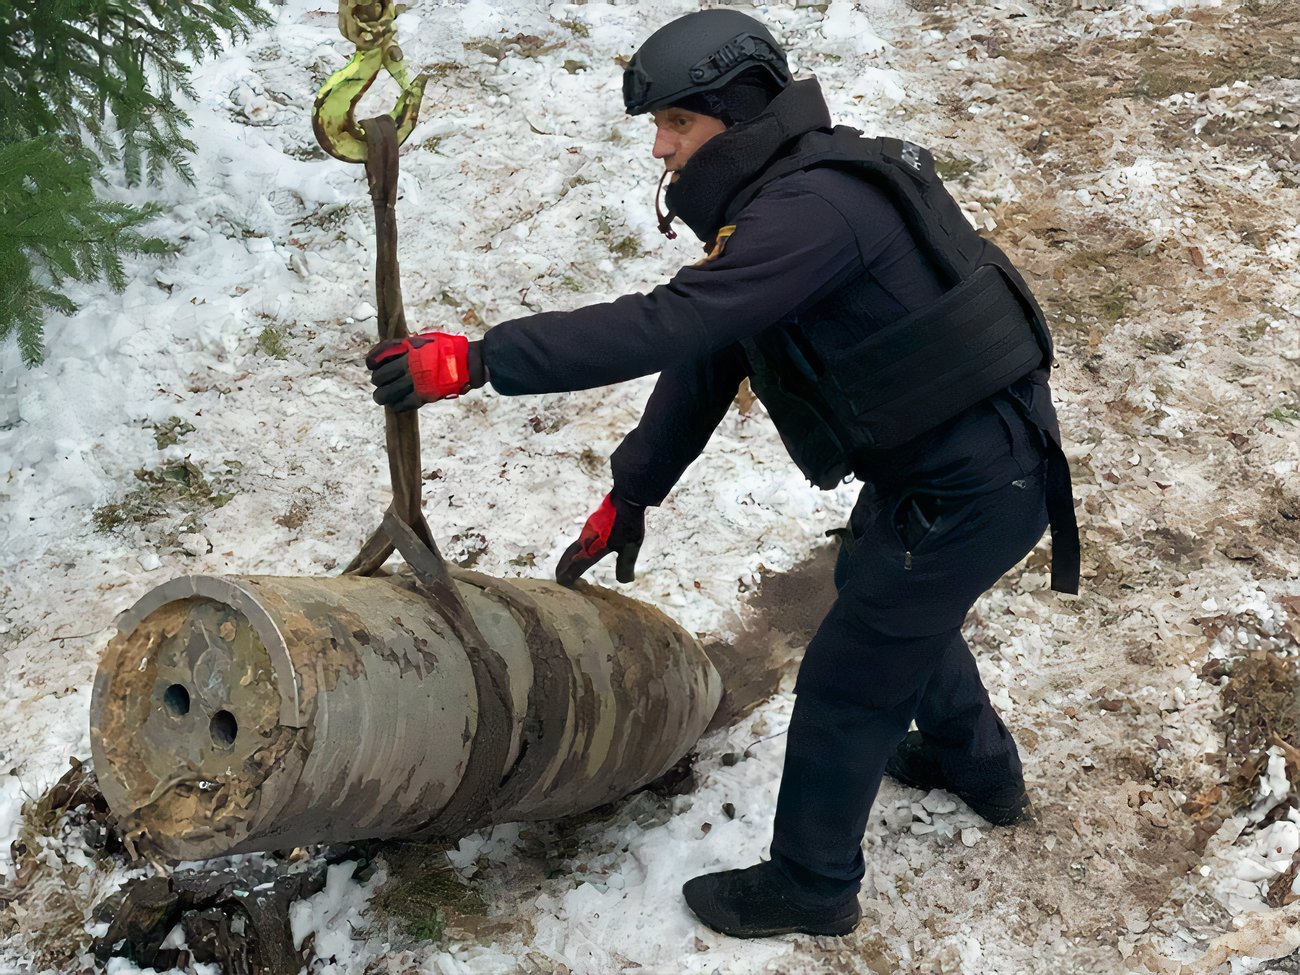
pixel 909 781
pixel 837 929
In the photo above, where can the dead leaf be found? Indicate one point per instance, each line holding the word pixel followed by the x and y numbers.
pixel 1201 805
pixel 1211 626
pixel 745 398
pixel 1292 606
pixel 1239 548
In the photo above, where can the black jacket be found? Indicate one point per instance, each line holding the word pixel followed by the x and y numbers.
pixel 819 247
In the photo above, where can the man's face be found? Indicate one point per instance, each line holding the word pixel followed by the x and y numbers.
pixel 679 133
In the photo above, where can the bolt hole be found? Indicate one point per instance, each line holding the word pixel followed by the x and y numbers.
pixel 224 728
pixel 177 700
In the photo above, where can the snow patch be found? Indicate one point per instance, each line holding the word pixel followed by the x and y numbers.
pixel 11 806
pixel 845 26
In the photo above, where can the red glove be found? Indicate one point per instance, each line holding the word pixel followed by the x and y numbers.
pixel 617 526
pixel 419 369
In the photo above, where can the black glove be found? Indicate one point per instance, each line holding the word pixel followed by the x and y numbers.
pixel 616 526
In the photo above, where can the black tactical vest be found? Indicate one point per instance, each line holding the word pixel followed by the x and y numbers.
pixel 984 333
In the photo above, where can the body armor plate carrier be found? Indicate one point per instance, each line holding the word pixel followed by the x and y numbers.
pixel 983 334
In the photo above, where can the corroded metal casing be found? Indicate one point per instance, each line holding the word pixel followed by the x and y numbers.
pixel 233 714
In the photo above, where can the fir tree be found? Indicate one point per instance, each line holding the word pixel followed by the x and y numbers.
pixel 85 86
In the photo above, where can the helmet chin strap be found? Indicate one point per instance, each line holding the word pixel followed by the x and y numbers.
pixel 665 219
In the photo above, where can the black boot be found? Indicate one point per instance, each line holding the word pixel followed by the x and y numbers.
pixel 760 901
pixel 917 764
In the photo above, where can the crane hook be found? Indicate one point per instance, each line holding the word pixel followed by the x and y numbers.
pixel 369 25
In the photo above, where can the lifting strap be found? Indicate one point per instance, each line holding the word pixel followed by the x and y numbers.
pixel 404 528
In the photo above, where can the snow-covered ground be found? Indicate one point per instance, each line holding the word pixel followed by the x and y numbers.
pixel 1159 226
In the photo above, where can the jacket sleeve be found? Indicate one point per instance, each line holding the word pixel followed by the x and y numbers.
pixel 790 247
pixel 688 402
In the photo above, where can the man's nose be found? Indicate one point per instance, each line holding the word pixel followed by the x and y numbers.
pixel 665 144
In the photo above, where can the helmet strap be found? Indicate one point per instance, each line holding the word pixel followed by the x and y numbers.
pixel 665 219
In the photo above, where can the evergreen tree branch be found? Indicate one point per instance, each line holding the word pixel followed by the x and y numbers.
pixel 85 86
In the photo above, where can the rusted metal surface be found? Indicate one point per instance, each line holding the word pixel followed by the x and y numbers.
pixel 233 714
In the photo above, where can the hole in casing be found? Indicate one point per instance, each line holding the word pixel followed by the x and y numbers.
pixel 176 699
pixel 224 728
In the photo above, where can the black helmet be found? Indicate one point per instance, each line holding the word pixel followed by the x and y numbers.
pixel 696 53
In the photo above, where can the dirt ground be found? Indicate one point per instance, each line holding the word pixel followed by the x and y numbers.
pixel 782 616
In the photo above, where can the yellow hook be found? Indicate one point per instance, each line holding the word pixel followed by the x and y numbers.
pixel 368 25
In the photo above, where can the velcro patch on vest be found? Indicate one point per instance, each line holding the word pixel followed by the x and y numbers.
pixel 719 245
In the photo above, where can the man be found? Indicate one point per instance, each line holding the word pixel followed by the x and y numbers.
pixel 886 340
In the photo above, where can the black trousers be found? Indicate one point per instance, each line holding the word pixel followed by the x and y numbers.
pixel 890 651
